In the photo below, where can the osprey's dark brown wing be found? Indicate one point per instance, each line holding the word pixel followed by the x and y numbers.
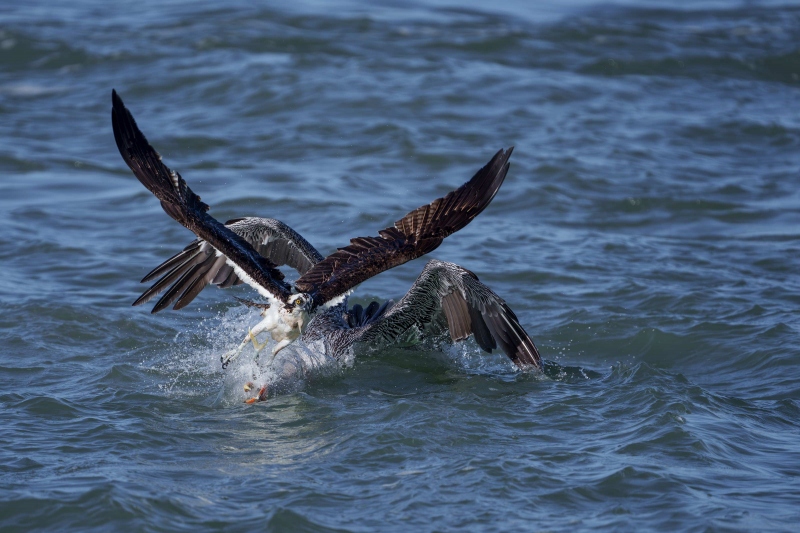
pixel 182 204
pixel 419 232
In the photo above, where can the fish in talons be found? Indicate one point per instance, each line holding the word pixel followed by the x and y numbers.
pixel 260 397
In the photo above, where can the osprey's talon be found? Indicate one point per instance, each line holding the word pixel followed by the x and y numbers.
pixel 228 357
pixel 257 345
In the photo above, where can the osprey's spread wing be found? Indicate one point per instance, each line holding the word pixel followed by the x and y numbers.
pixel 269 237
pixel 182 204
pixel 419 232
pixel 469 307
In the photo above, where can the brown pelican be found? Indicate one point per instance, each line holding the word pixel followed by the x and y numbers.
pixel 250 250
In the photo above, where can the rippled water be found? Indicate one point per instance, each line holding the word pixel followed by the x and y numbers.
pixel 647 237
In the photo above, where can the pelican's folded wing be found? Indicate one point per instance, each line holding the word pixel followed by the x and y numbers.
pixel 469 307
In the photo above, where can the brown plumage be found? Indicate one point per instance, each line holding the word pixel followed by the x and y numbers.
pixel 252 248
pixel 182 204
pixel 469 308
pixel 269 237
pixel 418 233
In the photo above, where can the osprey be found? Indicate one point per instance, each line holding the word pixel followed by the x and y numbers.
pixel 250 250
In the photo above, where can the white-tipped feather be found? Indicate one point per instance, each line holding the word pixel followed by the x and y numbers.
pixel 339 299
pixel 250 281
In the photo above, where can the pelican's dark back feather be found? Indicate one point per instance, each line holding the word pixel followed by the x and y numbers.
pixel 443 290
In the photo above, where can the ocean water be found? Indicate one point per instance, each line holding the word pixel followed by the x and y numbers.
pixel 647 237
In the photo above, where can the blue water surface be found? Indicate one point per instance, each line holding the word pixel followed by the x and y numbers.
pixel 647 237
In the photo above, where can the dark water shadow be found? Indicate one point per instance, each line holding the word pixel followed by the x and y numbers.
pixel 569 374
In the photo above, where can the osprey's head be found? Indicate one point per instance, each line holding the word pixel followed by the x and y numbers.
pixel 298 302
pixel 296 310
